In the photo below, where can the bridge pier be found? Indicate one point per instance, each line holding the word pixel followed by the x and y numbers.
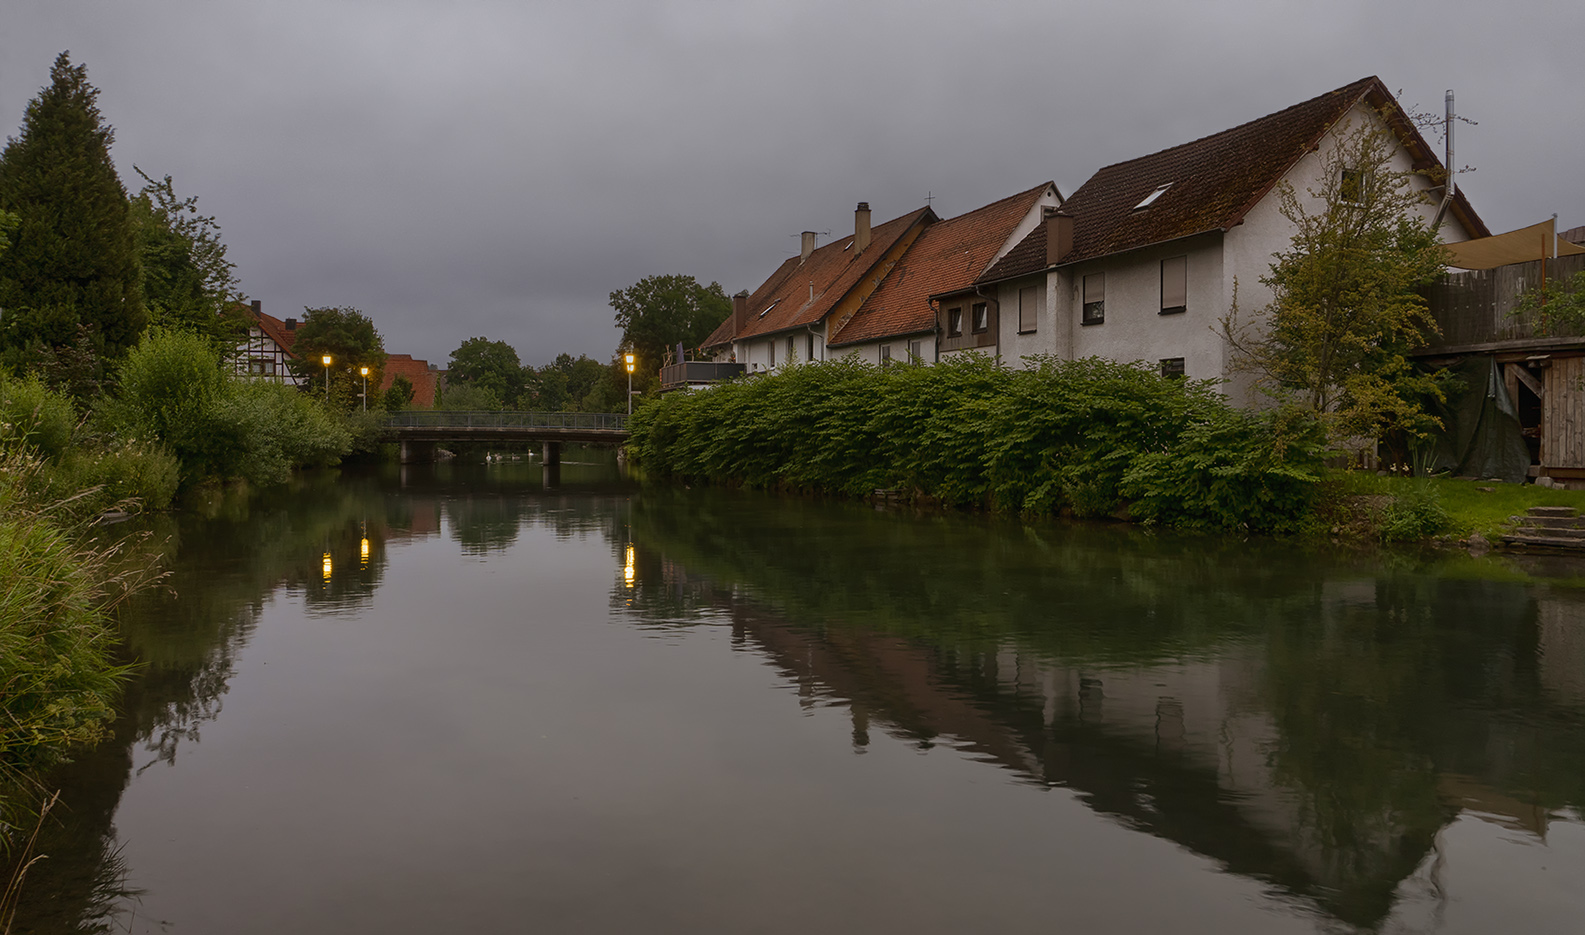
pixel 552 452
pixel 417 452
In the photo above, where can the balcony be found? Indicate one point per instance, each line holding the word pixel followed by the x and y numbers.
pixel 692 373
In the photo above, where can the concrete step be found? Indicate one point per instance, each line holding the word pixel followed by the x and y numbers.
pixel 1553 511
pixel 1550 522
pixel 1554 542
pixel 1560 533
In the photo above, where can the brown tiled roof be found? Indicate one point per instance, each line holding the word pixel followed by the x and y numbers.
pixel 1214 181
pixel 949 255
pixel 783 302
pixel 417 373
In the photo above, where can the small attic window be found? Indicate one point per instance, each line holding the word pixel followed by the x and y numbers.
pixel 1150 199
pixel 769 307
pixel 848 247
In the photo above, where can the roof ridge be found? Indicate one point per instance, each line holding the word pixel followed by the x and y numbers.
pixel 1029 193
pixel 1363 85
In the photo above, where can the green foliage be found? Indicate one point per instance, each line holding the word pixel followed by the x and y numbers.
pixel 1413 514
pixel 468 398
pixel 73 255
pixel 349 337
pixel 187 281
pixel 35 417
pixel 175 391
pixel 488 365
pixel 1346 307
pixel 658 312
pixel 1561 312
pixel 565 385
pixel 1088 436
pixel 399 395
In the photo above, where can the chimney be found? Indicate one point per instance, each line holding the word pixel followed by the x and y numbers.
pixel 861 227
pixel 808 245
pixel 258 307
pixel 740 313
pixel 1059 235
pixel 291 324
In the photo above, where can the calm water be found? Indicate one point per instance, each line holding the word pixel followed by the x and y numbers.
pixel 450 699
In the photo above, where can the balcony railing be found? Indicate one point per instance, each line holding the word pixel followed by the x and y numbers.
pixel 695 372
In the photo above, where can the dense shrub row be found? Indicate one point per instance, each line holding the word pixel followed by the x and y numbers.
pixel 1090 436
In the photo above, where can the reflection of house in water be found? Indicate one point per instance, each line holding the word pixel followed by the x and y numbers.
pixel 1201 751
pixel 1561 650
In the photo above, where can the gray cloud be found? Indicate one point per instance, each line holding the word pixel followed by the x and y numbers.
pixel 498 168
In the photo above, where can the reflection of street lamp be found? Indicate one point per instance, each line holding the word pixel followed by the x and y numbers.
pixel 326 361
pixel 365 393
pixel 629 383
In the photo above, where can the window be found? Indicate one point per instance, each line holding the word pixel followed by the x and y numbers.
pixel 1094 299
pixel 1028 309
pixel 1351 187
pixel 982 317
pixel 1150 199
pixel 916 351
pixel 1172 368
pixel 770 349
pixel 955 322
pixel 811 341
pixel 790 348
pixel 886 353
pixel 1174 285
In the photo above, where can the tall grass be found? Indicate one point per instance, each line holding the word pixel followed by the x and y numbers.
pixel 1092 437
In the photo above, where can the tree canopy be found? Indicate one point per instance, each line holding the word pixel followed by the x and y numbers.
pixel 658 312
pixel 1346 308
pixel 486 364
pixel 348 336
pixel 187 281
pixel 73 257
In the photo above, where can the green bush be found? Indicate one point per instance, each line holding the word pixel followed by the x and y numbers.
pixel 35 416
pixel 1091 436
pixel 1413 514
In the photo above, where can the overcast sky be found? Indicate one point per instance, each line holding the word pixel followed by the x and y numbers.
pixel 457 169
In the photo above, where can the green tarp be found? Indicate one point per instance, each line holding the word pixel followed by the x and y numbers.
pixel 1481 436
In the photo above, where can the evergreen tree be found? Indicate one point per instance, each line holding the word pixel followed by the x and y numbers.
pixel 73 256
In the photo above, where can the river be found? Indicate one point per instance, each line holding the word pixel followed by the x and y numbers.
pixel 452 698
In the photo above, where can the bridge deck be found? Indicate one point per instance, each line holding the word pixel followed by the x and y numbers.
pixel 430 425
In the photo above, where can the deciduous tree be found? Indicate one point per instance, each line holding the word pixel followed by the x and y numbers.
pixel 1345 310
pixel 349 337
pixel 486 364
pixel 73 257
pixel 187 281
pixel 658 312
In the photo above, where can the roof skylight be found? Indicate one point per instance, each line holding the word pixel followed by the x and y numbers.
pixel 1150 199
pixel 769 307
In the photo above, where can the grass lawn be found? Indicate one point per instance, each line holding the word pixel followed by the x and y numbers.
pixel 1472 506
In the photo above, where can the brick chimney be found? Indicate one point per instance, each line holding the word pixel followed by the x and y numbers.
pixel 740 313
pixel 258 307
pixel 291 324
pixel 1059 235
pixel 861 227
pixel 808 246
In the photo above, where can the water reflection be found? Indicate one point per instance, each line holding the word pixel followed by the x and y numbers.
pixel 1306 723
pixel 1325 727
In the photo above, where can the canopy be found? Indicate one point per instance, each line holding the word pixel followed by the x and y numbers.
pixel 1521 246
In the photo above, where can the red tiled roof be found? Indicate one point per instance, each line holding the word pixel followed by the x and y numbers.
pixel 949 255
pixel 1214 181
pixel 275 330
pixel 417 373
pixel 784 302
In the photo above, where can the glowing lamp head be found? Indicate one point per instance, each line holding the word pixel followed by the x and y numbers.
pixel 325 360
pixel 629 359
pixel 364 370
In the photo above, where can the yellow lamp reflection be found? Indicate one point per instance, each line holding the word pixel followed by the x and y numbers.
pixel 627 572
pixel 363 551
pixel 325 566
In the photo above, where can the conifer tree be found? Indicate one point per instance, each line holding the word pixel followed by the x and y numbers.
pixel 73 257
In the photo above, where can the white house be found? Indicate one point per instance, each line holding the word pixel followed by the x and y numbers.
pixel 264 355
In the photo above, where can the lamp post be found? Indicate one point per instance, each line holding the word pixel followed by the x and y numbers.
pixel 365 393
pixel 629 358
pixel 326 361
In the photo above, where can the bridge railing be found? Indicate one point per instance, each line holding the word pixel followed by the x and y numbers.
pixel 430 418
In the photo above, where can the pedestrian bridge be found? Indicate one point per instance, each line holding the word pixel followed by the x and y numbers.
pixel 419 431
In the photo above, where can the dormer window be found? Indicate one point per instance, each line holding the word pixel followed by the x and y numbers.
pixel 1150 199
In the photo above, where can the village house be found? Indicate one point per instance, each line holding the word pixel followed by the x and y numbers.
pixel 268 348
pixel 427 379
pixel 1140 263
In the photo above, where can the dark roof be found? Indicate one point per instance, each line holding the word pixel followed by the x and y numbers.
pixel 784 301
pixel 949 255
pixel 1214 181
pixel 275 330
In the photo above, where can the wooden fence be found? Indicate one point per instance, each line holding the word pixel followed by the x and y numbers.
pixel 1476 307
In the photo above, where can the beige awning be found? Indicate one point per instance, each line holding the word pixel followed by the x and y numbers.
pixel 1520 246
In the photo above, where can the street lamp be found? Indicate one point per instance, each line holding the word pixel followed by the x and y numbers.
pixel 365 393
pixel 629 358
pixel 326 361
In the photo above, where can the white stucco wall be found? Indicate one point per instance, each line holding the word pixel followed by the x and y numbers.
pixel 756 351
